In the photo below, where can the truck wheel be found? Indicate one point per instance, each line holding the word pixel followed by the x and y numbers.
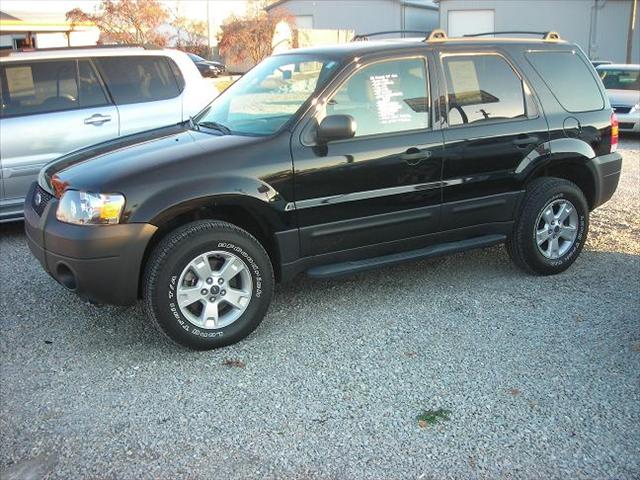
pixel 552 227
pixel 207 284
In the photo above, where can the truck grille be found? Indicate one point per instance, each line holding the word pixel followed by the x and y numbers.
pixel 621 109
pixel 40 200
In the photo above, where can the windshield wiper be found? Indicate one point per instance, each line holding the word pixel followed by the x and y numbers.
pixel 189 121
pixel 215 126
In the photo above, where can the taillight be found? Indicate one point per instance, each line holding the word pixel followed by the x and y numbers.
pixel 614 132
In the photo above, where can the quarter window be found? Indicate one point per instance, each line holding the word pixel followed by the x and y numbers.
pixel 385 97
pixel 570 79
pixel 482 88
pixel 139 79
pixel 42 87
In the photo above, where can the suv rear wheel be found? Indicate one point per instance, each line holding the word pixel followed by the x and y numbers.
pixel 552 227
pixel 207 284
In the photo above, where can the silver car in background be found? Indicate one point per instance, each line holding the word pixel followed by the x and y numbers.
pixel 59 100
pixel 623 88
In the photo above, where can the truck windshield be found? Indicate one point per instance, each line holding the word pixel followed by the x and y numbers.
pixel 620 79
pixel 265 98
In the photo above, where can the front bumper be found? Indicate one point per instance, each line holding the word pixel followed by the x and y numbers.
pixel 606 171
pixel 101 262
pixel 629 122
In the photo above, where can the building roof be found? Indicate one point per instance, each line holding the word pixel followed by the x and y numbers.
pixel 426 4
pixel 6 17
pixel 39 22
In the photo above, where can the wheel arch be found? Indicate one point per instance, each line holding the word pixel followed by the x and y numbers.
pixel 566 158
pixel 248 213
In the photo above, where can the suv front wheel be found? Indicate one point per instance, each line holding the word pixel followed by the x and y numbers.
pixel 207 284
pixel 552 227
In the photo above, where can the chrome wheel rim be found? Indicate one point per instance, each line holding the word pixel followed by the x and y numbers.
pixel 556 229
pixel 214 290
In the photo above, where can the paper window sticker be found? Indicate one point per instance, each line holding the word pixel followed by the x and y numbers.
pixel 20 81
pixel 463 76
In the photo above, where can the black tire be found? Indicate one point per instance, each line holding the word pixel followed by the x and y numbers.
pixel 522 245
pixel 173 254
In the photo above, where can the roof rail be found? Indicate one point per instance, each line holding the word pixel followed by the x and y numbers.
pixel 7 52
pixel 436 34
pixel 365 36
pixel 547 36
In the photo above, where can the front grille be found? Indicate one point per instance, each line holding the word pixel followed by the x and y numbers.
pixel 621 109
pixel 40 199
pixel 625 126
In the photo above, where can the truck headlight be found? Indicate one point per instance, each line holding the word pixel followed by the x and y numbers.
pixel 86 208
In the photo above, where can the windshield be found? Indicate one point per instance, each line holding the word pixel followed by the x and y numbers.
pixel 620 79
pixel 195 57
pixel 265 98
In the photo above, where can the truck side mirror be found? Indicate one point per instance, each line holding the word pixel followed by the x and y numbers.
pixel 336 127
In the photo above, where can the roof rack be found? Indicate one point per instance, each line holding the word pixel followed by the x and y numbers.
pixel 547 36
pixel 436 34
pixel 365 36
pixel 7 52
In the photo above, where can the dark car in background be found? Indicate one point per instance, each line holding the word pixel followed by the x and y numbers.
pixel 207 68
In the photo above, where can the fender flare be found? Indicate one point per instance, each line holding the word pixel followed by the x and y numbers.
pixel 248 193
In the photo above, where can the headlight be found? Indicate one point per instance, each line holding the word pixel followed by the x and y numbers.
pixel 635 108
pixel 86 208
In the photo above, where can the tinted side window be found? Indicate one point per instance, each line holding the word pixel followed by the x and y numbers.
pixel 385 97
pixel 176 73
pixel 91 93
pixel 482 87
pixel 38 87
pixel 570 79
pixel 138 79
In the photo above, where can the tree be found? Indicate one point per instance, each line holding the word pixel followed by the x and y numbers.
pixel 191 35
pixel 127 21
pixel 249 37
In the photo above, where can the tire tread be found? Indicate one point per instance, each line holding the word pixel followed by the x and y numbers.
pixel 164 248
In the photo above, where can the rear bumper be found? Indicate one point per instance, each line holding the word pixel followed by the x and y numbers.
pixel 606 171
pixel 101 263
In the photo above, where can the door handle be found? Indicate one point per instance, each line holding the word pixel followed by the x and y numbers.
pixel 414 155
pixel 523 141
pixel 97 119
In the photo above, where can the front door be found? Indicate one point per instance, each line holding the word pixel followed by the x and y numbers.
pixel 49 108
pixel 383 185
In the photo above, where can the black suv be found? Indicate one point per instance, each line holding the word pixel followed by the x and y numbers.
pixel 329 161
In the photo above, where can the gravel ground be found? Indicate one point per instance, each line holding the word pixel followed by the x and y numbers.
pixel 540 375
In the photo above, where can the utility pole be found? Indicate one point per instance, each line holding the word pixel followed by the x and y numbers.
pixel 632 27
pixel 208 31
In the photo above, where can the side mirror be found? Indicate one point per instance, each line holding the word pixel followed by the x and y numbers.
pixel 336 127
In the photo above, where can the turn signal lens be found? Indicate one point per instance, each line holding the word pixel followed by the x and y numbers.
pixel 614 132
pixel 58 186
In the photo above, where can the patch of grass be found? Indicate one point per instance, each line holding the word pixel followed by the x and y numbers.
pixel 431 417
pixel 223 83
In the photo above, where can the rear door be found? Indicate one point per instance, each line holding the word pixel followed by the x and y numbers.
pixel 49 108
pixel 493 125
pixel 145 90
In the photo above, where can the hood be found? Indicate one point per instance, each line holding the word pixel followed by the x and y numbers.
pixel 623 98
pixel 107 166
